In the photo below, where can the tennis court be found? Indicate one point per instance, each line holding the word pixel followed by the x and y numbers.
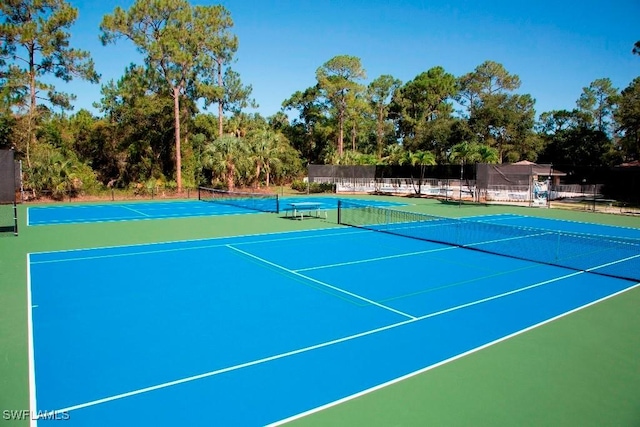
pixel 315 317
pixel 111 212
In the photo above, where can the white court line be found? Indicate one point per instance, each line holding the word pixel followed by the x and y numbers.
pixel 611 263
pixel 133 210
pixel 90 205
pixel 311 279
pixel 87 258
pixel 489 219
pixel 316 346
pixel 31 351
pixel 148 218
pixel 409 227
pixel 341 264
pixel 569 232
pixel 382 258
pixel 581 223
pixel 435 365
pixel 335 231
pixel 317 236
pixel 527 236
pixel 529 228
pixel 507 239
pixel 231 368
pixel 217 245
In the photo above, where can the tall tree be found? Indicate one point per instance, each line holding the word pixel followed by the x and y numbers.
pixel 421 102
pixel 178 42
pixel 230 95
pixel 628 119
pixel 357 119
pixel 34 37
pixel 220 84
pixel 497 117
pixel 135 143
pixel 305 133
pixel 552 122
pixel 489 78
pixel 337 79
pixel 570 139
pixel 578 146
pixel 506 123
pixel 379 93
pixel 598 102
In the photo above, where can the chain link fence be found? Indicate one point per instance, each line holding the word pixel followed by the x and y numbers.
pixel 544 185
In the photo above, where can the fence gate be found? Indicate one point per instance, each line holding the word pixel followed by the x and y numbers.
pixel 8 209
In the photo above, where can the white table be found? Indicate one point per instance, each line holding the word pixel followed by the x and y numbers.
pixel 311 209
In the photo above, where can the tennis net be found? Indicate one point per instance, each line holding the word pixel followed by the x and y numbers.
pixel 253 201
pixel 603 255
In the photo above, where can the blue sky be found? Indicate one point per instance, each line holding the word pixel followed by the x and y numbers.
pixel 555 47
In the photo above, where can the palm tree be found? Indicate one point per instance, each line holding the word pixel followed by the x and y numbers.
pixel 395 155
pixel 423 159
pixel 468 153
pixel 488 154
pixel 237 125
pixel 266 146
pixel 465 152
pixel 225 156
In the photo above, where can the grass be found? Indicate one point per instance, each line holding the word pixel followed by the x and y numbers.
pixel 582 369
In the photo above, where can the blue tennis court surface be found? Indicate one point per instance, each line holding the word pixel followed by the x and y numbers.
pixel 256 330
pixel 73 214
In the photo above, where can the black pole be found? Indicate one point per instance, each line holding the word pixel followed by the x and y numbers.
pixel 277 204
pixel 461 177
pixel 15 219
pixel 476 196
pixel 549 185
pixel 339 211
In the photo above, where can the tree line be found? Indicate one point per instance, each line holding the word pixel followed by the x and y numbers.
pixel 154 128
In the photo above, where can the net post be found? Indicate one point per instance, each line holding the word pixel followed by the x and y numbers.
pixel 339 211
pixel 199 196
pixel 15 219
pixel 277 204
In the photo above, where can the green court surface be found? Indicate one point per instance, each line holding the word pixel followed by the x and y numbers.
pixel 582 369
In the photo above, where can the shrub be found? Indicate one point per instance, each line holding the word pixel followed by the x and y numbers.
pixel 314 187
